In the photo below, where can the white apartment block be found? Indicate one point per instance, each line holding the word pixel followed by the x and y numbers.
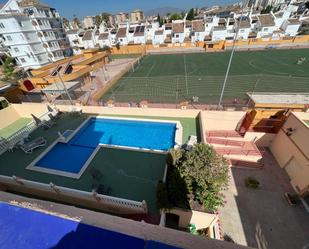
pixel 32 33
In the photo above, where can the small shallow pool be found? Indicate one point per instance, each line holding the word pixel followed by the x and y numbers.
pixel 72 156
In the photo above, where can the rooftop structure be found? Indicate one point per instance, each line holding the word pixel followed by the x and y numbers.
pixel 69 69
pixel 280 100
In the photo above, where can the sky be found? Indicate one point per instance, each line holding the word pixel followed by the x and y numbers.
pixel 83 8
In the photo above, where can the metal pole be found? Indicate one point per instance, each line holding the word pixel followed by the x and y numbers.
pixel 253 90
pixel 231 57
pixel 65 88
pixel 186 78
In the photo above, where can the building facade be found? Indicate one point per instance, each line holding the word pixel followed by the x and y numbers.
pixel 33 33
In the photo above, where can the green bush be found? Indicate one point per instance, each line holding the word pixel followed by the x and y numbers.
pixel 162 197
pixel 251 182
pixel 205 173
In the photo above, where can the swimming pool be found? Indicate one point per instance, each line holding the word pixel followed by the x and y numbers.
pixel 73 155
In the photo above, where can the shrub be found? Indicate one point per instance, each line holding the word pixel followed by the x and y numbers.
pixel 162 197
pixel 174 156
pixel 251 182
pixel 205 173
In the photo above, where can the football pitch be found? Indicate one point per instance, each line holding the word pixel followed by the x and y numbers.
pixel 171 78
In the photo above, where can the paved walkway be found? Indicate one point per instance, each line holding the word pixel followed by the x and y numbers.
pixel 262 218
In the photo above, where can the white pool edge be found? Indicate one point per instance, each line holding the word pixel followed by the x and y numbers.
pixel 32 165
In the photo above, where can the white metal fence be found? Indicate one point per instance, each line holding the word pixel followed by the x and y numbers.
pixel 119 205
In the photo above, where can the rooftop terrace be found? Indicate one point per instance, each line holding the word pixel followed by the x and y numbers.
pixel 126 173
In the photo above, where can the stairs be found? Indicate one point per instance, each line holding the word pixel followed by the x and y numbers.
pixel 222 133
pixel 246 164
pixel 234 147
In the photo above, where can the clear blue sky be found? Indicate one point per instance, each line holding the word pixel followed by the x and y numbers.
pixel 92 7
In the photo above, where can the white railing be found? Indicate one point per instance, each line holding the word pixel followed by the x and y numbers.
pixel 10 142
pixel 118 205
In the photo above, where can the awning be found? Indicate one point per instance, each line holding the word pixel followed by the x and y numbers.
pixel 58 88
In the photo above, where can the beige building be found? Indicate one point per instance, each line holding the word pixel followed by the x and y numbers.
pixel 290 147
pixel 137 15
pixel 121 17
pixel 88 22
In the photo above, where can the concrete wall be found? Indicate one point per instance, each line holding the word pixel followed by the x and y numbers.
pixel 26 109
pixel 135 111
pixel 8 116
pixel 221 120
pixel 294 147
pixel 199 219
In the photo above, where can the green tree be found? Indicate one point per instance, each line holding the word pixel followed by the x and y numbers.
pixel 206 175
pixel 175 16
pixel 98 20
pixel 160 21
pixel 8 69
pixel 190 15
pixel 267 9
pixel 105 18
pixel 162 197
pixel 65 22
pixel 76 21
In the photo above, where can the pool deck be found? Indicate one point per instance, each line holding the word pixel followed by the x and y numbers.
pixel 15 163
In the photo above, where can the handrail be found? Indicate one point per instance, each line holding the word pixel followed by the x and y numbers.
pixel 13 139
pixel 109 202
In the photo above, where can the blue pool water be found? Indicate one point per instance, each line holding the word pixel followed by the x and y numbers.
pixel 71 157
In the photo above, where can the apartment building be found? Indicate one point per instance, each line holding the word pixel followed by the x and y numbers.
pixel 32 33
pixel 136 16
pixel 88 22
pixel 121 17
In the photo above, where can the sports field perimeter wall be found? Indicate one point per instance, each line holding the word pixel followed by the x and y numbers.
pixel 143 48
pixel 213 46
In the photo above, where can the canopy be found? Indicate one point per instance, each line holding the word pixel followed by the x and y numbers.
pixel 58 88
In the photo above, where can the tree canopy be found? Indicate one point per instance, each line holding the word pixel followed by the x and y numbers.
pixel 190 15
pixel 205 173
pixel 76 21
pixel 175 16
pixel 160 21
pixel 8 69
pixel 267 9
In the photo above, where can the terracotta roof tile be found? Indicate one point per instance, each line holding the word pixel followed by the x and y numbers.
pixel 122 32
pixel 266 20
pixel 103 36
pixel 178 27
pixel 198 26
pixel 87 36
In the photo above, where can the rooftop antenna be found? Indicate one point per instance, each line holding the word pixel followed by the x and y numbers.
pixel 232 54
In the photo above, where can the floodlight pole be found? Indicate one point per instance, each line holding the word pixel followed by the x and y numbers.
pixel 65 88
pixel 231 57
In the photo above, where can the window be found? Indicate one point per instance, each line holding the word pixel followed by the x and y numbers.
pixel 22 60
pixel 2 25
pixel 16 50
pixel 265 29
pixel 9 38
pixel 241 31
